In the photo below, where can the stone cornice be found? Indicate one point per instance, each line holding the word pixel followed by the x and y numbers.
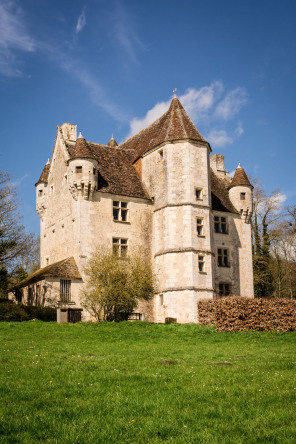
pixel 187 288
pixel 195 205
pixel 184 250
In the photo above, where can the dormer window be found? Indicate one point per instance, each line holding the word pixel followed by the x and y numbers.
pixel 78 169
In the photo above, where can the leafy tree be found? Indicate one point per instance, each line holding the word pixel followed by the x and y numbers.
pixel 114 285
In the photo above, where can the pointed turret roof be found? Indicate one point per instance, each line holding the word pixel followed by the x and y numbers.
pixel 173 125
pixel 81 148
pixel 44 175
pixel 112 142
pixel 240 178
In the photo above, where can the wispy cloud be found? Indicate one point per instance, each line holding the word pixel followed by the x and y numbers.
pixel 204 105
pixel 14 37
pixel 81 22
pixel 17 182
pixel 219 138
pixel 232 103
pixel 124 30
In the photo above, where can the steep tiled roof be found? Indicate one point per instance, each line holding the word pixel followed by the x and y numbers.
pixel 112 142
pixel 175 124
pixel 220 196
pixel 118 176
pixel 240 178
pixel 65 268
pixel 44 175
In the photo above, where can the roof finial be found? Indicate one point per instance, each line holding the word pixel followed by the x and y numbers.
pixel 48 162
pixel 239 165
pixel 175 92
pixel 112 137
pixel 80 135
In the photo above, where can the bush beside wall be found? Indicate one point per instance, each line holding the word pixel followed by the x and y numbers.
pixel 9 312
pixel 238 314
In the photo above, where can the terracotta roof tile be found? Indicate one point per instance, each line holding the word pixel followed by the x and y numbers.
pixel 240 178
pixel 220 195
pixel 175 124
pixel 44 175
pixel 66 268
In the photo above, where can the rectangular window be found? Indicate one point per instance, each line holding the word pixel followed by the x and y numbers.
pixel 198 193
pixel 40 193
pixel 119 246
pixel 223 258
pixel 94 171
pixel 199 226
pixel 201 263
pixel 65 290
pixel 79 169
pixel 242 196
pixel 220 225
pixel 224 289
pixel 120 211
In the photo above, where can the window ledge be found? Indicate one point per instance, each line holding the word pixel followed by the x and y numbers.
pixel 201 235
pixel 203 272
pixel 67 303
pixel 224 266
pixel 219 232
pixel 122 222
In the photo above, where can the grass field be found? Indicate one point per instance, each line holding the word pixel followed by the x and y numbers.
pixel 145 383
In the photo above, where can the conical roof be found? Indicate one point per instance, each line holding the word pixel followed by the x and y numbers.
pixel 112 143
pixel 240 178
pixel 81 149
pixel 44 175
pixel 173 125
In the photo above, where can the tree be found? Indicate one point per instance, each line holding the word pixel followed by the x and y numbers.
pixel 265 215
pixel 114 285
pixel 16 245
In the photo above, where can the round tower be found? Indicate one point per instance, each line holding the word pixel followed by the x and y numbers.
pixel 83 171
pixel 241 193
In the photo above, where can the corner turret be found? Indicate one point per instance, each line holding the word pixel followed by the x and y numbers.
pixel 241 193
pixel 83 171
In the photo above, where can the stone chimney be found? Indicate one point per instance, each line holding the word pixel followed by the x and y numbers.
pixel 217 165
pixel 69 131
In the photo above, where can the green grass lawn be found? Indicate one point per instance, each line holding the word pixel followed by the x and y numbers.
pixel 145 383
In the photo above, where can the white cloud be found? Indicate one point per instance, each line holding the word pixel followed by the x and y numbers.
pixel 204 105
pixel 219 138
pixel 232 103
pixel 81 22
pixel 14 37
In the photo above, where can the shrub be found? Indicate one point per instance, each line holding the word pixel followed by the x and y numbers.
pixel 11 312
pixel 46 314
pixel 239 313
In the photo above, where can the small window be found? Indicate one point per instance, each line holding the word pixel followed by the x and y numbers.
pixel 224 289
pixel 94 171
pixel 40 192
pixel 161 154
pixel 78 169
pixel 161 299
pixel 120 211
pixel 65 290
pixel 199 226
pixel 47 261
pixel 198 193
pixel 242 196
pixel 201 263
pixel 220 225
pixel 223 257
pixel 135 317
pixel 119 247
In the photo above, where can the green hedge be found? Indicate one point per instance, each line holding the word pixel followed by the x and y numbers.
pixel 9 311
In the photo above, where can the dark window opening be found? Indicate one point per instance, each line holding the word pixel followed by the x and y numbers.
pixel 198 193
pixel 120 211
pixel 220 225
pixel 65 290
pixel 224 289
pixel 79 169
pixel 242 196
pixel 223 260
pixel 201 263
pixel 119 247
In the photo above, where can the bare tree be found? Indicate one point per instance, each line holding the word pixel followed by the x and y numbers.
pixel 16 245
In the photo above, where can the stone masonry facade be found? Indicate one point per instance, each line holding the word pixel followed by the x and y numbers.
pixel 162 193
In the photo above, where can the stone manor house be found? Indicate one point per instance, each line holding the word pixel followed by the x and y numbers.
pixel 160 192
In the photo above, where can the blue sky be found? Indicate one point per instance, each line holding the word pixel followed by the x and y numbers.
pixel 111 66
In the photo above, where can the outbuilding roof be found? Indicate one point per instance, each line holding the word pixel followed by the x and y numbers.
pixel 66 268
